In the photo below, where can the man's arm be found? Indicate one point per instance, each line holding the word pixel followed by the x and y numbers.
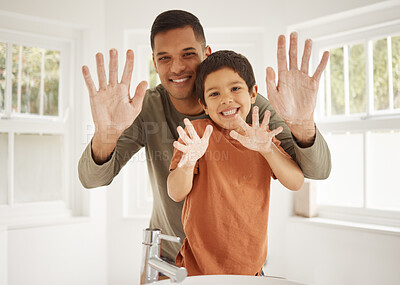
pixel 92 174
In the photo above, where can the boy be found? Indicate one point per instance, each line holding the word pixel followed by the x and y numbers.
pixel 224 176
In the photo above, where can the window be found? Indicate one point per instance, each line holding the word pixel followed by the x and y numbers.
pixel 35 125
pixel 358 112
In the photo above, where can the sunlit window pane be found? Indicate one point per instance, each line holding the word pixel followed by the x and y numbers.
pixel 357 78
pixel 381 82
pixel 396 71
pixel 383 183
pixel 344 187
pixel 3 168
pixel 337 81
pixel 51 82
pixel 35 80
pixel 3 56
pixel 38 159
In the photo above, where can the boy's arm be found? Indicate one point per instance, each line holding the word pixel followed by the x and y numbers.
pixel 284 168
pixel 192 148
pixel 258 138
pixel 180 182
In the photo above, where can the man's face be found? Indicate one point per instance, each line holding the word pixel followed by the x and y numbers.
pixel 176 56
pixel 227 94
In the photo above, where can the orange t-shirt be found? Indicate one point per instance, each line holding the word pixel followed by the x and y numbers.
pixel 225 215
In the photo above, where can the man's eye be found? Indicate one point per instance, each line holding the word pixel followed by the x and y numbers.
pixel 189 54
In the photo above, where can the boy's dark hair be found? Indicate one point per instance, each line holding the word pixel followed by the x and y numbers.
pixel 174 19
pixel 223 59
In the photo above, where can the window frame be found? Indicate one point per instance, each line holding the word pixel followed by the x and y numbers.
pixel 372 22
pixel 30 31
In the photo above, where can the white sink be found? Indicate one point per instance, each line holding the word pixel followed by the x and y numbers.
pixel 232 280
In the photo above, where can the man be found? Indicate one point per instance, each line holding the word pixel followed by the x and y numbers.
pixel 124 125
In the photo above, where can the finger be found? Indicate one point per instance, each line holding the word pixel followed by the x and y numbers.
pixel 113 67
pixel 256 120
pixel 293 51
pixel 276 131
pixel 190 129
pixel 207 133
pixel 101 72
pixel 305 61
pixel 140 92
pixel 183 148
pixel 127 75
pixel 183 135
pixel 240 138
pixel 271 85
pixel 88 80
pixel 282 62
pixel 265 121
pixel 242 123
pixel 321 66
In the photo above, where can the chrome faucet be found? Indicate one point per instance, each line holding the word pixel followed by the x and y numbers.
pixel 152 264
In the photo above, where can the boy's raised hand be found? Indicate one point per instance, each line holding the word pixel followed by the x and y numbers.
pixel 194 147
pixel 256 137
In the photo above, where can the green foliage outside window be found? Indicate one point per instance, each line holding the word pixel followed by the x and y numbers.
pixel 396 71
pixel 3 53
pixel 357 78
pixel 381 76
pixel 337 81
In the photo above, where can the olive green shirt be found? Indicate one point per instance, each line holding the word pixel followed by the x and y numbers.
pixel 155 129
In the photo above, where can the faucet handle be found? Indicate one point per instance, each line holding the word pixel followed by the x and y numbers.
pixel 170 238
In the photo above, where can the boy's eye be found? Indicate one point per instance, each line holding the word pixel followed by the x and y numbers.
pixel 163 58
pixel 235 88
pixel 213 94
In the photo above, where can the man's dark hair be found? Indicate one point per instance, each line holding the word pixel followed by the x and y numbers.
pixel 174 19
pixel 223 59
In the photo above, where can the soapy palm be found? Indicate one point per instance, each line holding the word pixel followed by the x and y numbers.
pixel 294 97
pixel 193 147
pixel 112 108
pixel 256 137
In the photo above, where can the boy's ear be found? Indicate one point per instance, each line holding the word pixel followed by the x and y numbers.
pixel 154 62
pixel 253 94
pixel 204 107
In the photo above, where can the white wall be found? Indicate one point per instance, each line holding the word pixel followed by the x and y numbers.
pixel 74 251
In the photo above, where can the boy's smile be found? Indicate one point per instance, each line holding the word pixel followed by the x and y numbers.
pixel 227 94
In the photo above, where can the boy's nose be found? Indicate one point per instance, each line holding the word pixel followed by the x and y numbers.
pixel 226 98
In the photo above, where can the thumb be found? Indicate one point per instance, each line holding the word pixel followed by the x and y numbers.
pixel 140 91
pixel 270 80
pixel 207 133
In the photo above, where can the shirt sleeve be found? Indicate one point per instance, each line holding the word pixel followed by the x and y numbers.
pixel 94 175
pixel 314 161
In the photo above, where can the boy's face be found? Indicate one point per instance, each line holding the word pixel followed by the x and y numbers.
pixel 176 55
pixel 226 94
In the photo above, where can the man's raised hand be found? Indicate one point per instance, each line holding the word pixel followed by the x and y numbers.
pixel 113 110
pixel 294 97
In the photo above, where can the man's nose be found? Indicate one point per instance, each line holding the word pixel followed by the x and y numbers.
pixel 177 66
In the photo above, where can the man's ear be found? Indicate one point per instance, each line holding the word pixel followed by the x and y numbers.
pixel 253 94
pixel 207 51
pixel 154 62
pixel 204 107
